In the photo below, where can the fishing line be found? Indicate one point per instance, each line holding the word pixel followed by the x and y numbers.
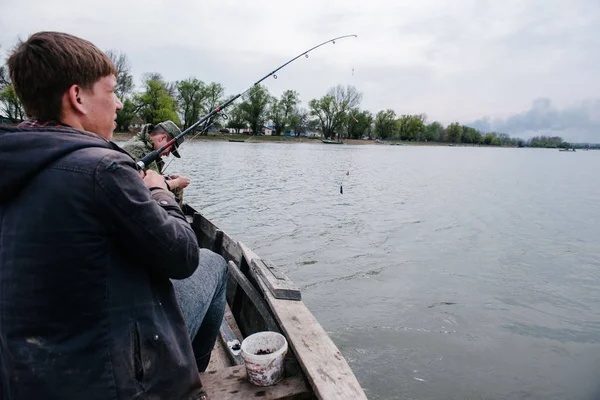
pixel 342 180
pixel 224 116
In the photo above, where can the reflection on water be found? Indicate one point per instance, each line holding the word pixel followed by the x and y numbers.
pixel 441 272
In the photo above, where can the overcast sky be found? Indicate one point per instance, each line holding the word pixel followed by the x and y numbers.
pixel 519 66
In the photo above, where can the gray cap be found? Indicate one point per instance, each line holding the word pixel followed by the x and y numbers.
pixel 172 130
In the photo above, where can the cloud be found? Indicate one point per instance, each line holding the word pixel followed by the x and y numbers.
pixel 578 123
pixel 454 61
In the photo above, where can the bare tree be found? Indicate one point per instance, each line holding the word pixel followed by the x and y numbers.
pixel 4 79
pixel 124 77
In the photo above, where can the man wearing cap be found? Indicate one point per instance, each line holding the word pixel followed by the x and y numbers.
pixel 153 137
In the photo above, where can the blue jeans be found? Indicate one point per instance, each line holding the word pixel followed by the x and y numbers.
pixel 201 298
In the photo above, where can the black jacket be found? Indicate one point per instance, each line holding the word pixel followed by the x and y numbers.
pixel 87 310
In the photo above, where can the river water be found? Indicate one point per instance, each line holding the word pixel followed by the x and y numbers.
pixel 440 272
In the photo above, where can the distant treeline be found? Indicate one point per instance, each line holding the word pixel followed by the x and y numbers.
pixel 415 128
pixel 335 115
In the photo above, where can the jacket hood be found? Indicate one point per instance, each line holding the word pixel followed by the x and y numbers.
pixel 25 151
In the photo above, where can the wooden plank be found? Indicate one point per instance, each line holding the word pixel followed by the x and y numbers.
pixel 231 343
pixel 324 366
pixel 218 358
pixel 232 383
pixel 237 300
pixel 255 297
pixel 274 270
pixel 230 249
pixel 232 323
pixel 216 246
pixel 206 231
pixel 280 285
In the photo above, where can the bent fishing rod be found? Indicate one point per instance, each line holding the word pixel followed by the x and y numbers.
pixel 208 125
pixel 146 160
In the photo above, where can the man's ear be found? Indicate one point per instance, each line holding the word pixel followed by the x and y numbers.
pixel 75 97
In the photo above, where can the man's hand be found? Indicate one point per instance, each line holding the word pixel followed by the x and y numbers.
pixel 178 182
pixel 152 179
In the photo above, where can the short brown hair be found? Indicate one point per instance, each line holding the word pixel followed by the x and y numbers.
pixel 49 63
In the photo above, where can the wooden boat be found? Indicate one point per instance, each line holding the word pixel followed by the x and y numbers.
pixel 237 140
pixel 259 298
pixel 332 142
pixel 566 150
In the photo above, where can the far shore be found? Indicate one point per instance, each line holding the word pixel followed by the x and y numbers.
pixel 123 136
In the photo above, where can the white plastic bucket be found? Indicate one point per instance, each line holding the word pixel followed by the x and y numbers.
pixel 263 355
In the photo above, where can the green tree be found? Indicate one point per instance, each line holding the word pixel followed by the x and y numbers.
pixel 325 111
pixel 196 99
pixel 385 124
pixel 504 139
pixel 331 110
pixel 470 135
pixel 290 100
pixel 276 115
pixel 282 111
pixel 360 123
pixel 254 108
pixel 155 104
pixel 545 141
pixel 236 120
pixel 432 131
pixel 4 80
pixel 454 132
pixel 126 115
pixel 12 108
pixel 191 93
pixel 411 127
pixel 215 93
pixel 488 139
pixel 299 120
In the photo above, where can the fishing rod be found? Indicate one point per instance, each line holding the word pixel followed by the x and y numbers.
pixel 206 127
pixel 146 160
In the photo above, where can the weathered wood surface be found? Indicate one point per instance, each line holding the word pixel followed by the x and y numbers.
pixel 232 323
pixel 326 369
pixel 218 358
pixel 230 250
pixel 232 384
pixel 280 285
pixel 231 343
pixel 211 237
pixel 255 297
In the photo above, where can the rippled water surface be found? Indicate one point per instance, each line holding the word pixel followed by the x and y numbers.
pixel 440 272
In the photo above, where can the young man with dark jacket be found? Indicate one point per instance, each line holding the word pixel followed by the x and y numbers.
pixel 88 247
